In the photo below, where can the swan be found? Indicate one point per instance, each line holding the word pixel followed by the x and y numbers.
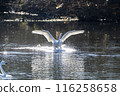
pixel 4 75
pixel 1 68
pixel 57 43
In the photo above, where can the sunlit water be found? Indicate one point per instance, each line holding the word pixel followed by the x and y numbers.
pixel 92 55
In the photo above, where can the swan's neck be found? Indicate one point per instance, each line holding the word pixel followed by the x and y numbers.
pixel 57 43
pixel 59 37
pixel 3 72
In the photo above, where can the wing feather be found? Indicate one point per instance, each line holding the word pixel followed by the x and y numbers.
pixel 70 33
pixel 45 33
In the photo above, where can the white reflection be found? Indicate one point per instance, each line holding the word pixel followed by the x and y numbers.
pixel 73 66
pixel 57 66
pixel 41 66
pixel 4 52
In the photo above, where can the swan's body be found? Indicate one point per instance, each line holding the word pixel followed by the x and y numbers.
pixel 1 68
pixel 57 43
pixel 4 76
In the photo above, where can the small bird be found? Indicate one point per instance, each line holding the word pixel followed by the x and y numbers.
pixel 57 43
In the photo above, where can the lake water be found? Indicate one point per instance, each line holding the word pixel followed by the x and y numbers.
pixel 94 55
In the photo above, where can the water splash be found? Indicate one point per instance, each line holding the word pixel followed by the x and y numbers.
pixel 46 49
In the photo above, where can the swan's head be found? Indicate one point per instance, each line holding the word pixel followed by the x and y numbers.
pixel 58 35
pixel 2 63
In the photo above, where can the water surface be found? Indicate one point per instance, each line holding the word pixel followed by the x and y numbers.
pixel 94 55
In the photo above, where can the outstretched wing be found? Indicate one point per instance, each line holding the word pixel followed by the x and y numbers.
pixel 70 33
pixel 45 33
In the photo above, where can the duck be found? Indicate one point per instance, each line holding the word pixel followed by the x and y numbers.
pixel 57 43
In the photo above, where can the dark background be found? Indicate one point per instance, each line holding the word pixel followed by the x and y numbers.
pixel 85 10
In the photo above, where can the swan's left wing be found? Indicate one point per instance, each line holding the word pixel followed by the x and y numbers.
pixel 70 33
pixel 45 33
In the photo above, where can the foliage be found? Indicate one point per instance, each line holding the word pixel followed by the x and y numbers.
pixel 86 10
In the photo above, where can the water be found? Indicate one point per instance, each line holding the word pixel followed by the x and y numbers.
pixel 94 55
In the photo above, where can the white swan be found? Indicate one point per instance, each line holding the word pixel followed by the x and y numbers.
pixel 1 68
pixel 57 43
pixel 4 75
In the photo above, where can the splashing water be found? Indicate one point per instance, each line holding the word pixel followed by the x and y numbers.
pixel 47 49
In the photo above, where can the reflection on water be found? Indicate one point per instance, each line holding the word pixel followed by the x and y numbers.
pixel 92 55
pixel 57 66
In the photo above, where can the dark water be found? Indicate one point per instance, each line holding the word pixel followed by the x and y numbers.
pixel 92 55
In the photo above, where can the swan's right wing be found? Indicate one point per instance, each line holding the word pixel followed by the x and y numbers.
pixel 70 33
pixel 45 33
